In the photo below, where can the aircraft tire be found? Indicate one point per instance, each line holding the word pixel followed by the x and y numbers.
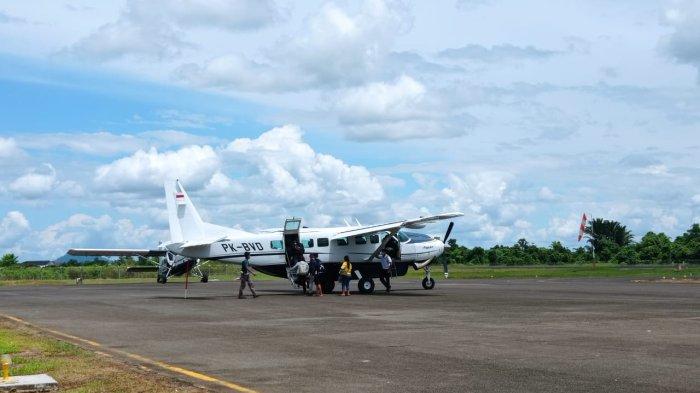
pixel 428 283
pixel 205 278
pixel 328 286
pixel 365 285
pixel 162 280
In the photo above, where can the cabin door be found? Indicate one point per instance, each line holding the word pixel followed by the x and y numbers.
pixel 291 234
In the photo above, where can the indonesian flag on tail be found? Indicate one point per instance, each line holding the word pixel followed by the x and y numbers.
pixel 582 227
pixel 180 198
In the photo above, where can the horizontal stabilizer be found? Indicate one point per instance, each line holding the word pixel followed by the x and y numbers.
pixel 116 252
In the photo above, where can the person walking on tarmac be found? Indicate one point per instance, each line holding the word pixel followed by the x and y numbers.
pixel 385 274
pixel 246 271
pixel 316 273
pixel 345 274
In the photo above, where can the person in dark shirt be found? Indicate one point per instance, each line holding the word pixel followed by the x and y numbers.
pixel 298 251
pixel 316 271
pixel 246 271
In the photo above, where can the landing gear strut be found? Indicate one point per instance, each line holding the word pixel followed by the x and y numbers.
pixel 365 285
pixel 428 282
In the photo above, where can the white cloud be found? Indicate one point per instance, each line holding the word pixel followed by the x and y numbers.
pixel 336 47
pixel 104 143
pixel 154 30
pixel 380 102
pixel 150 41
pixel 283 167
pixel 83 230
pixel 696 199
pixel 9 148
pixel 145 171
pixel 402 109
pixel 683 44
pixel 12 227
pixel 35 184
pixel 563 229
pixel 546 194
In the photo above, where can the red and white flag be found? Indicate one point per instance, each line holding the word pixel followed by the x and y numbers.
pixel 180 198
pixel 582 227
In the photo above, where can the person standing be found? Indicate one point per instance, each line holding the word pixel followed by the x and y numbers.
pixel 345 274
pixel 246 271
pixel 385 276
pixel 316 273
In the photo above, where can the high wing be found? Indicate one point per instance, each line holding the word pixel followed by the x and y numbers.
pixel 116 252
pixel 395 226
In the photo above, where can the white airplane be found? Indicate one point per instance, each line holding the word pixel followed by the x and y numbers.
pixel 193 242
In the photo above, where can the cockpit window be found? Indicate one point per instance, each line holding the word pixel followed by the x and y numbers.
pixel 403 237
pixel 414 237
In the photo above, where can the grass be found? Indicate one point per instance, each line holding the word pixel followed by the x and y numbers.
pixel 456 272
pixel 136 280
pixel 76 369
pixel 567 271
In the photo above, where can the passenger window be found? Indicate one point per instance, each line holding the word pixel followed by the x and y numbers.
pixel 374 239
pixel 276 245
pixel 307 243
pixel 322 242
pixel 342 242
pixel 360 240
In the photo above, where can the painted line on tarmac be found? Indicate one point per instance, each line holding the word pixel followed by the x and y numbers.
pixel 138 358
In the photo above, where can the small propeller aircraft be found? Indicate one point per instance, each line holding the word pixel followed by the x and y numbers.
pixel 194 242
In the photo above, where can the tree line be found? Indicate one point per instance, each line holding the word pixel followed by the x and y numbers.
pixel 606 241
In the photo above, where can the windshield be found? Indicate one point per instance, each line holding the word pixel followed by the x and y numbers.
pixel 414 237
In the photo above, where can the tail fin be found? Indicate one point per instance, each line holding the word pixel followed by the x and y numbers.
pixel 185 222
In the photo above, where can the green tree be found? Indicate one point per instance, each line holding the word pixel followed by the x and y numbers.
pixel 627 255
pixel 9 260
pixel 602 232
pixel 655 248
pixel 687 245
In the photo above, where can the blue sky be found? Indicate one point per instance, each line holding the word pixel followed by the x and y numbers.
pixel 523 116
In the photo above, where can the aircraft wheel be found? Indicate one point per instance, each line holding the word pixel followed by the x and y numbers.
pixel 162 279
pixel 328 286
pixel 365 285
pixel 205 278
pixel 428 283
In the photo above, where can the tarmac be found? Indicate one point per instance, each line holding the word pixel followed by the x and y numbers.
pixel 556 335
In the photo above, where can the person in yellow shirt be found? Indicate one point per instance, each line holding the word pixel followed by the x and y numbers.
pixel 345 274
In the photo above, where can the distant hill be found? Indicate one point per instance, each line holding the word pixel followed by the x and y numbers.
pixel 80 259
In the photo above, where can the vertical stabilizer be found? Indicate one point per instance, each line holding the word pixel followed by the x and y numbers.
pixel 185 222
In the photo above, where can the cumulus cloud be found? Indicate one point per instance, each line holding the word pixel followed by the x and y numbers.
pixel 336 48
pixel 9 148
pixel 401 109
pixel 145 171
pixel 282 167
pixel 683 44
pixel 12 227
pixel 154 29
pixel 83 230
pixel 35 184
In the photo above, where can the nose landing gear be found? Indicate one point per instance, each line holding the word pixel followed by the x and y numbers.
pixel 428 282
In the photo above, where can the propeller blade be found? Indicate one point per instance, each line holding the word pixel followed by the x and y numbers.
pixel 449 230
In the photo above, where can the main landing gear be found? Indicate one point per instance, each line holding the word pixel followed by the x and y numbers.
pixel 428 282
pixel 365 285
pixel 328 286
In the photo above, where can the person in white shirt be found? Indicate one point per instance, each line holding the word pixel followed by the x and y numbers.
pixel 385 274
